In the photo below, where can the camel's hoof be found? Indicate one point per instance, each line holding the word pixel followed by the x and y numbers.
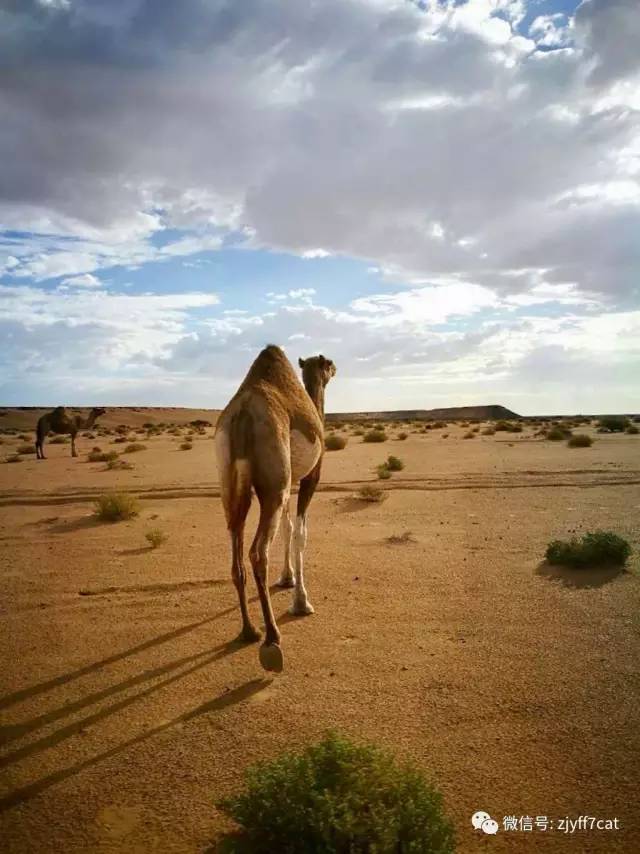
pixel 271 657
pixel 249 635
pixel 301 609
pixel 285 581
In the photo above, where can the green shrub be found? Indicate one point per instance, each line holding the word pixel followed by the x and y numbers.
pixel 614 423
pixel 26 449
pixel 372 493
pixel 337 797
pixel 155 537
pixel 186 446
pixel 580 440
pixel 375 436
pixel 135 446
pixel 632 430
pixel 402 436
pixel 383 471
pixel 335 443
pixel 394 463
pixel 594 549
pixel 558 434
pixel 116 506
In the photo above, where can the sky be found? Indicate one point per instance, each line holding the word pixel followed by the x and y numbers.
pixel 443 196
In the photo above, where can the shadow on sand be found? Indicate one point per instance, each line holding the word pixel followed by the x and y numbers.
pixel 580 579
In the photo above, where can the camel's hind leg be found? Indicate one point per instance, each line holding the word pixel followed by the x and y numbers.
pixel 270 511
pixel 73 445
pixel 248 633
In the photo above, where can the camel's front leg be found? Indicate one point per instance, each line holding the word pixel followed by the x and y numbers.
pixel 301 605
pixel 286 578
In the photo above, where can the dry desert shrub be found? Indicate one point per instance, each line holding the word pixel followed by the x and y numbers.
pixel 118 464
pixel 186 446
pixel 13 458
pixel 155 537
pixel 580 440
pixel 134 447
pixel 401 539
pixel 372 493
pixel 116 507
pixel 375 435
pixel 402 436
pixel 335 443
pixel 632 430
pixel 98 456
pixel 26 449
pixel 394 463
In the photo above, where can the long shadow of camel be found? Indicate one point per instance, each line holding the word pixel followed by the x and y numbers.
pixel 56 681
pixel 230 698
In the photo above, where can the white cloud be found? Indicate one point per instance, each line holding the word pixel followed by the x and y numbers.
pixel 87 280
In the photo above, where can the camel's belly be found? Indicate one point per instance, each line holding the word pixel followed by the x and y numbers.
pixel 304 455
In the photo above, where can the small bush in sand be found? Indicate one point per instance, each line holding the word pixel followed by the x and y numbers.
pixel 489 431
pixel 120 440
pixel 558 434
pixel 24 437
pixel 26 449
pixel 372 493
pixel 394 463
pixel 14 458
pixel 444 436
pixel 580 440
pixel 469 435
pixel 383 471
pixel 98 456
pixel 614 423
pixel 118 464
pixel 375 436
pixel 186 446
pixel 594 549
pixel 155 537
pixel 632 430
pixel 401 539
pixel 358 432
pixel 335 443
pixel 336 796
pixel 116 506
pixel 402 436
pixel 134 447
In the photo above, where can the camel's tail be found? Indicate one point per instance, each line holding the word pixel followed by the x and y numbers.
pixel 235 447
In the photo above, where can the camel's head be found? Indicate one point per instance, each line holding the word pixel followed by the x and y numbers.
pixel 97 411
pixel 317 368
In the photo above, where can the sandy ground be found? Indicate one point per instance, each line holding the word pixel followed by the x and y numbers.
pixel 127 710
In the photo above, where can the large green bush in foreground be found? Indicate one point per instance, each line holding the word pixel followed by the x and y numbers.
pixel 336 797
pixel 594 549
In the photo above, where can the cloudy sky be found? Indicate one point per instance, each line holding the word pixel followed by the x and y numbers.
pixel 441 195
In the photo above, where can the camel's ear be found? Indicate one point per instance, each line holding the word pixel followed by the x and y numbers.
pixel 301 362
pixel 321 360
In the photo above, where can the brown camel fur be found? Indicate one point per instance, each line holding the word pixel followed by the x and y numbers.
pixel 58 421
pixel 270 436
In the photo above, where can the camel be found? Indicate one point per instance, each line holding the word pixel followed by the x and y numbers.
pixel 270 436
pixel 57 421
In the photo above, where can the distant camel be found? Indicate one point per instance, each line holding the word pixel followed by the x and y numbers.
pixel 57 421
pixel 270 436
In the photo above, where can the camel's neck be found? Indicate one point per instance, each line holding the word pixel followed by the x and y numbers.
pixel 315 390
pixel 91 417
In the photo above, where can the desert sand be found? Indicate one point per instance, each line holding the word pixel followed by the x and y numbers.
pixel 128 710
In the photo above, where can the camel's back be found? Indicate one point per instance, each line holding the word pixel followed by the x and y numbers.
pixel 271 385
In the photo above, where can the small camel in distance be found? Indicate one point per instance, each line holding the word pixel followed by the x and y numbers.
pixel 57 421
pixel 270 436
